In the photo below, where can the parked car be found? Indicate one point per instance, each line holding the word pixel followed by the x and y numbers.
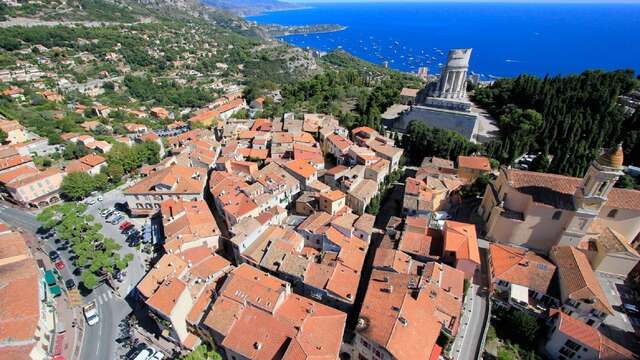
pixel 157 356
pixel 59 264
pixel 105 212
pixel 70 284
pixel 130 230
pixel 91 313
pixel 100 198
pixel 125 225
pixel 54 255
pixel 145 354
pixel 90 201
pixel 116 220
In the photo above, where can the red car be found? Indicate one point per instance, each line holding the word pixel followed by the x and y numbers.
pixel 124 225
pixel 60 264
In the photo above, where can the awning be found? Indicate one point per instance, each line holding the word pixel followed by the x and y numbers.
pixel 55 290
pixel 519 293
pixel 50 277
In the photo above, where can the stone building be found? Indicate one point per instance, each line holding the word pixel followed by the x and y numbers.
pixel 539 211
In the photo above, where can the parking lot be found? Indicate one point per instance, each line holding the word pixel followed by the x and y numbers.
pixel 618 326
pixel 137 267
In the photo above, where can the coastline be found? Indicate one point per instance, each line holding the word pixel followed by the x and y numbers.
pixel 342 28
pixel 264 12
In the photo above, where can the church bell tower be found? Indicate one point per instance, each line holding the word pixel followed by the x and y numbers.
pixel 592 195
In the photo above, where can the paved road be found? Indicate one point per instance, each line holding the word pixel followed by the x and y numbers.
pixel 99 340
pixel 470 333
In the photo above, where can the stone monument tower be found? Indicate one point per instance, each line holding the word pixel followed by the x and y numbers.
pixel 453 80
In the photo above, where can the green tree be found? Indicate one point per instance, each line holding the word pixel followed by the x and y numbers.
pixel 374 206
pixel 3 136
pixel 74 151
pixel 77 185
pixel 627 182
pixel 89 280
pixel 114 171
pixel 570 108
pixel 523 327
pixel 421 141
pixel 202 352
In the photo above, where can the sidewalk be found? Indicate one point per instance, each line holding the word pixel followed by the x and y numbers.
pixel 467 308
pixel 67 338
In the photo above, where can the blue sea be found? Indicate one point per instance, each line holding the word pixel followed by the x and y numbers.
pixel 507 39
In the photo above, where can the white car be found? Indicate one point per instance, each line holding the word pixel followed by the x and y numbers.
pixel 144 355
pixel 91 201
pixel 157 356
pixel 91 313
pixel 100 198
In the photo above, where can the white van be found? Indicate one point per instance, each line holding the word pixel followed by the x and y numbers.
pixel 144 354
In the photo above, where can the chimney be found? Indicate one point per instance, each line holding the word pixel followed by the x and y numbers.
pixel 171 212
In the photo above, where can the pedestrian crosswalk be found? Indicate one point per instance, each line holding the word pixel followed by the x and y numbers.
pixel 103 298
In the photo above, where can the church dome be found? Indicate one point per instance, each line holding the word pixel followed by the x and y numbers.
pixel 612 157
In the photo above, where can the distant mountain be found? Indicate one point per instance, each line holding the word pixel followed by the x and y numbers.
pixel 250 7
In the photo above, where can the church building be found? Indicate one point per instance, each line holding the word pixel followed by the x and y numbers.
pixel 539 211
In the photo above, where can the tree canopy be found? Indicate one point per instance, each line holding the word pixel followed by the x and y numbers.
pixel 569 117
pixel 421 141
pixel 95 254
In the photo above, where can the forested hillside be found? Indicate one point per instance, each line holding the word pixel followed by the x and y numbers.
pixel 569 118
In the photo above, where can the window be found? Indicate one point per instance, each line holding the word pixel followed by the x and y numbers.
pixel 566 352
pixel 364 343
pixel 591 322
pixel 139 205
pixel 602 188
pixel 612 213
pixel 572 345
pixel 556 215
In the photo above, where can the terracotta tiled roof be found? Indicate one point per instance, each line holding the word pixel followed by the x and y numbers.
pixel 185 222
pixel 557 190
pixel 13 161
pixel 474 162
pixel 409 92
pixel 390 259
pixel 415 243
pixel 340 142
pixel 308 153
pixel 231 105
pixel 520 266
pixel 167 295
pixel 17 174
pixel 175 179
pixel 577 280
pixel 19 296
pixel 405 326
pixel 591 337
pixel 301 328
pixel 301 167
pixel 461 238
pixel 34 178
pixel 170 265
